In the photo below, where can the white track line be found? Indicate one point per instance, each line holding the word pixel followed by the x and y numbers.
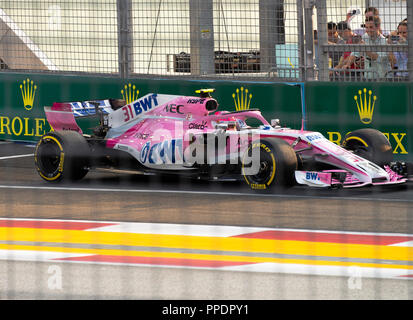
pixel 17 156
pixel 188 192
pixel 325 270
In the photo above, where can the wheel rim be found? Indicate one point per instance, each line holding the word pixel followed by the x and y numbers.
pixel 49 155
pixel 266 169
pixel 360 150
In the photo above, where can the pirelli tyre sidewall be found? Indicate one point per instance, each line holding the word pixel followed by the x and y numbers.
pixel 62 155
pixel 277 164
pixel 370 144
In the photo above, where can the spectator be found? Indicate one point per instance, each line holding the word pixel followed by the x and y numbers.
pixel 334 38
pixel 346 34
pixel 344 31
pixel 371 12
pixel 400 58
pixel 376 63
pixel 349 37
pixel 368 13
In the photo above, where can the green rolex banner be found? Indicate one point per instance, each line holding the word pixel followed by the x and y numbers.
pixel 23 97
pixel 21 122
pixel 334 109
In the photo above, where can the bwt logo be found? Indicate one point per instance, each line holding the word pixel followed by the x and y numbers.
pixel 314 137
pixel 312 176
pixel 143 105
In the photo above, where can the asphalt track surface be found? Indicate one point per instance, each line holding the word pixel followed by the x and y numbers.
pixel 102 196
pixel 124 197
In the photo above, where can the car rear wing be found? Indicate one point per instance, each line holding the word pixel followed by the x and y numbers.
pixel 62 115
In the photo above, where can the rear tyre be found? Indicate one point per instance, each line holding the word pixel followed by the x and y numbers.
pixel 271 164
pixel 369 144
pixel 62 155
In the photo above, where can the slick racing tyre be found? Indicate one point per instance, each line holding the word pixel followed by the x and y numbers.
pixel 62 155
pixel 272 163
pixel 369 144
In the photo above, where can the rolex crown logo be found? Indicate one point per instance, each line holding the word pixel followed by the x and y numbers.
pixel 28 90
pixel 241 99
pixel 365 105
pixel 129 94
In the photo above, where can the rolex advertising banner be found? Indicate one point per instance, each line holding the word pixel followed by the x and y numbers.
pixel 24 96
pixel 333 109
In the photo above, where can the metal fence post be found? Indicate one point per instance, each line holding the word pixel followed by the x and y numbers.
pixel 202 37
pixel 272 31
pixel 309 39
pixel 322 40
pixel 301 37
pixel 125 44
pixel 410 38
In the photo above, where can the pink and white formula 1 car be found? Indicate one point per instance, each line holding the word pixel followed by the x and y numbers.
pixel 186 135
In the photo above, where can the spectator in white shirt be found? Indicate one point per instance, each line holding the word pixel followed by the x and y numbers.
pixel 377 64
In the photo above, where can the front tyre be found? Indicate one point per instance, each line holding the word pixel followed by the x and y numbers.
pixel 62 155
pixel 369 144
pixel 272 163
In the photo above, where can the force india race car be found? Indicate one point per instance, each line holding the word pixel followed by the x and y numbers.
pixel 186 135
